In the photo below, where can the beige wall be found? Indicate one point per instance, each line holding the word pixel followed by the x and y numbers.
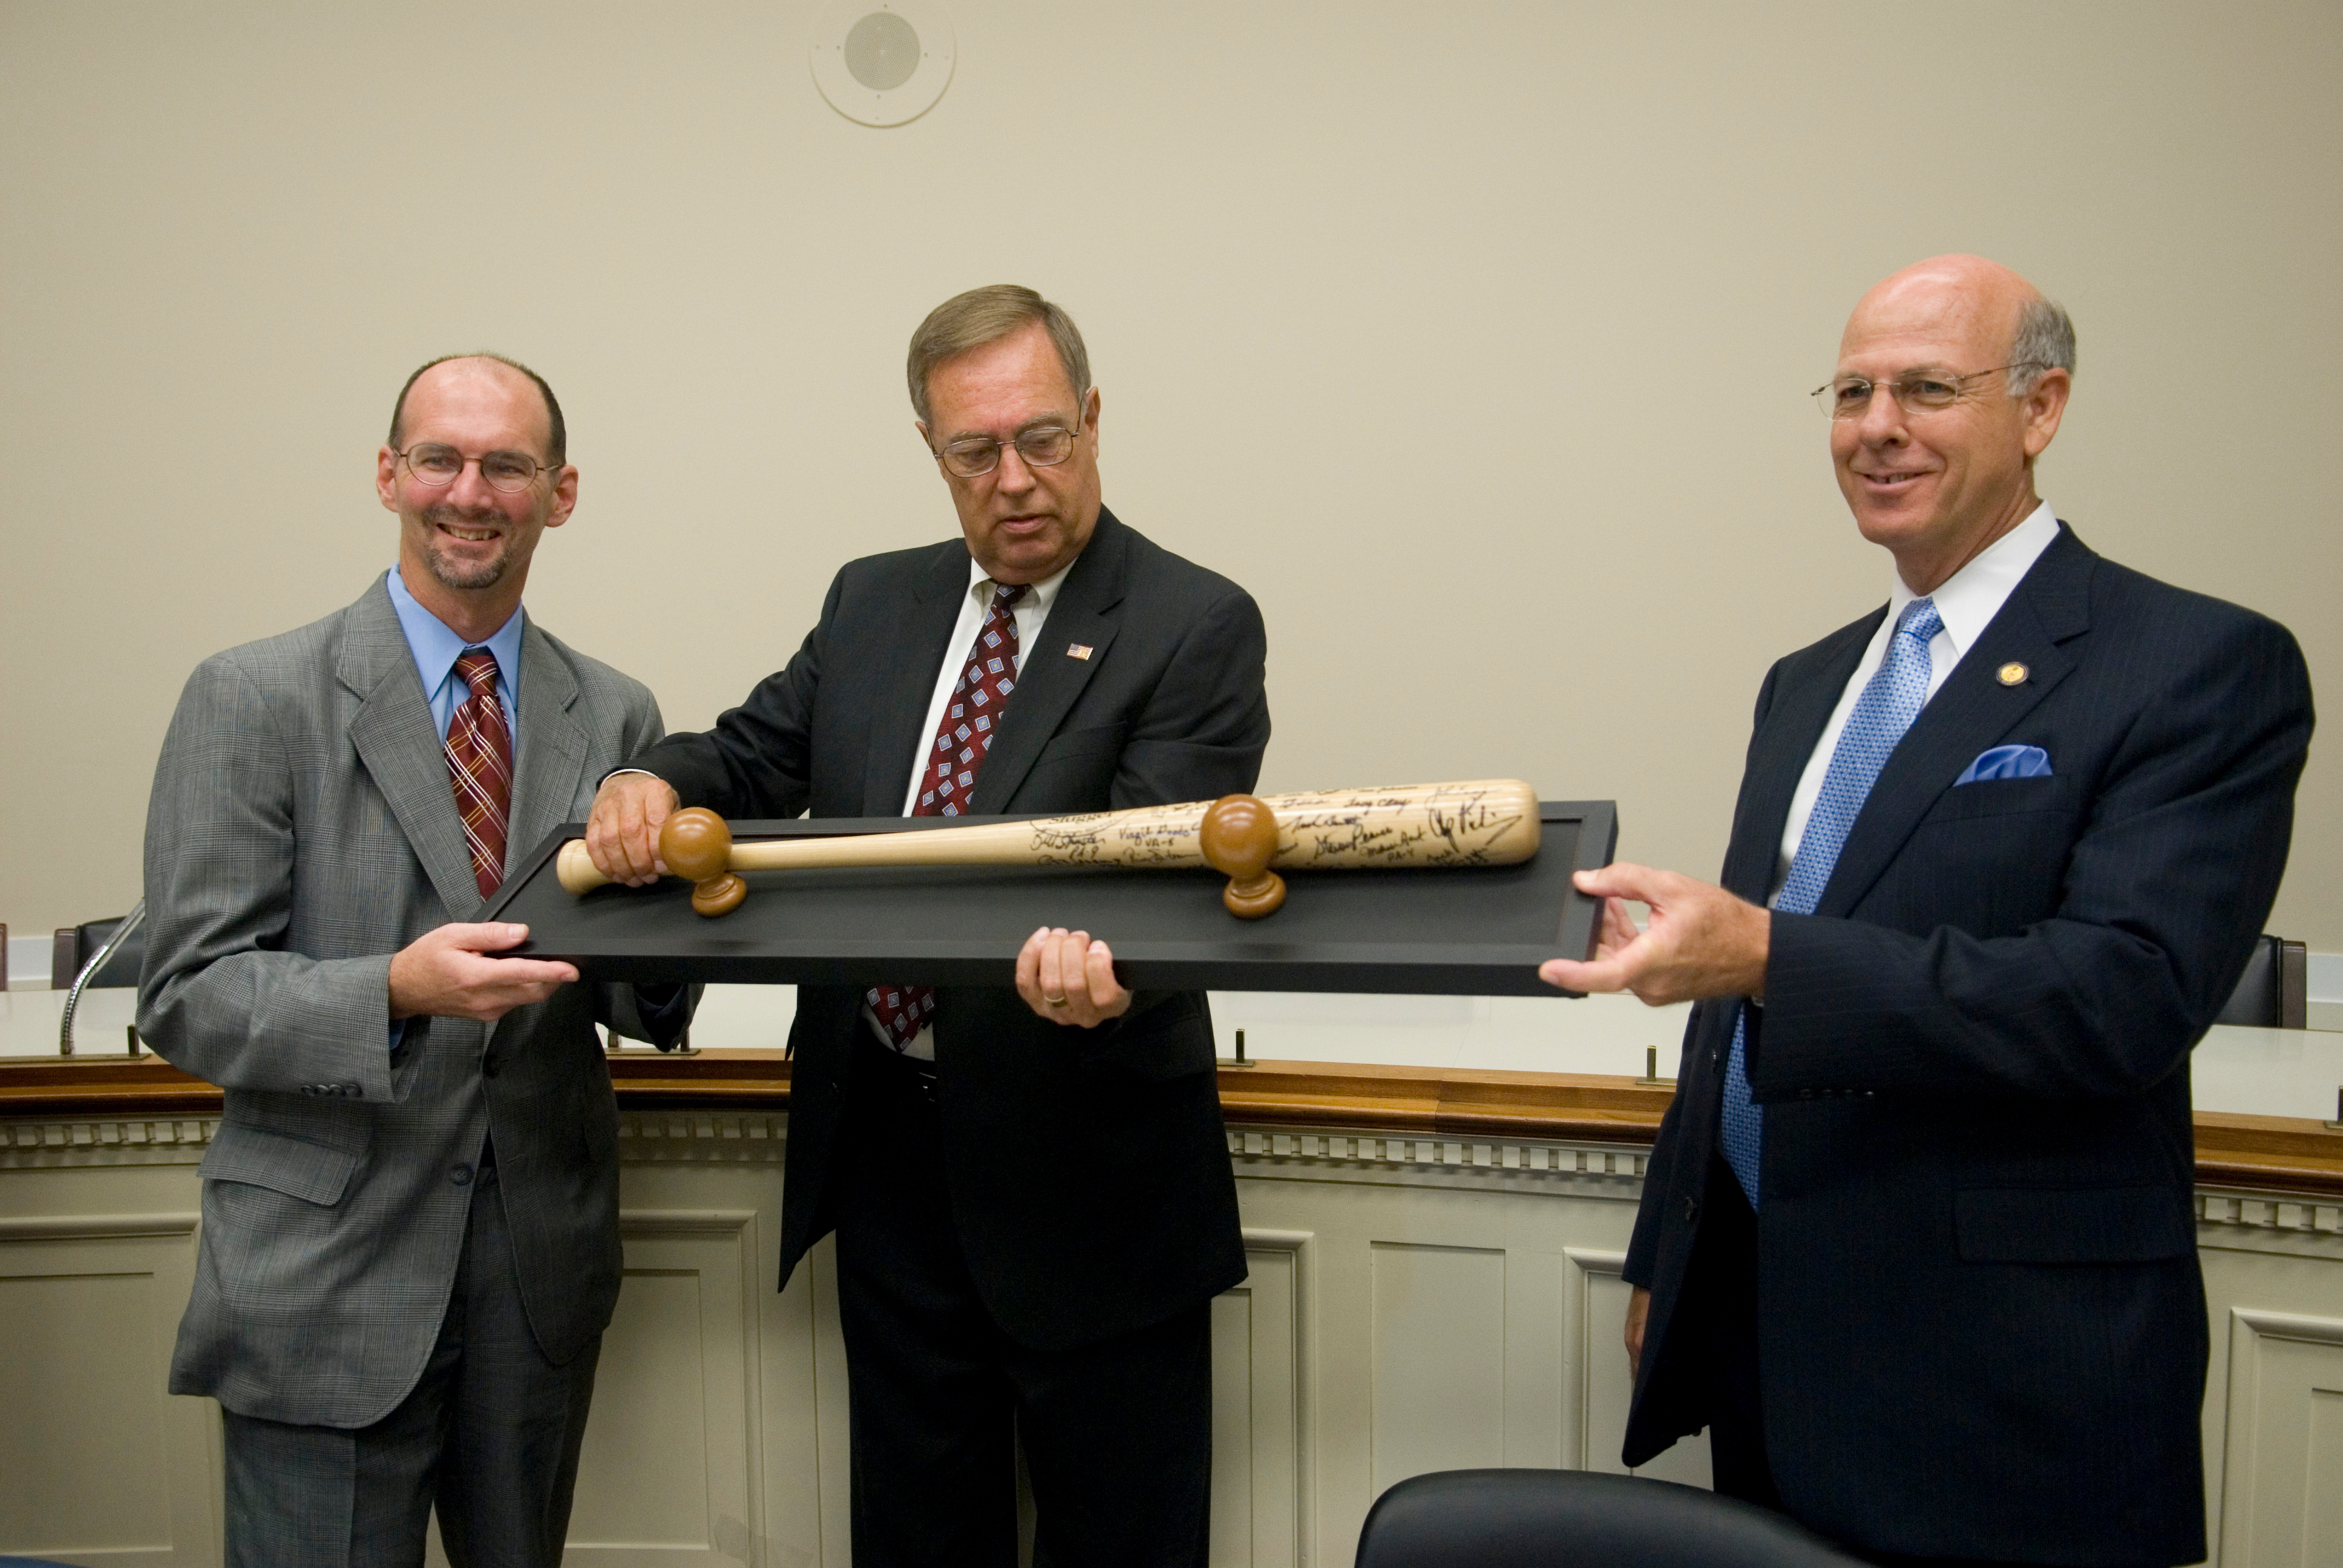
pixel 1473 337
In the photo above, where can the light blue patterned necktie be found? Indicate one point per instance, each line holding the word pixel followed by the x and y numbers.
pixel 1883 713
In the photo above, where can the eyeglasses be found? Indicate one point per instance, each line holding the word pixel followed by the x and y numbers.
pixel 1918 392
pixel 1042 446
pixel 434 466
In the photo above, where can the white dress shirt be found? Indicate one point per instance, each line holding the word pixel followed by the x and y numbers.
pixel 1966 603
pixel 1030 611
pixel 1032 608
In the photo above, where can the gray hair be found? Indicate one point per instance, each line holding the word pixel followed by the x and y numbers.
pixel 2044 341
pixel 988 315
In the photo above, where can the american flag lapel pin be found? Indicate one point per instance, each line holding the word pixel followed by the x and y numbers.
pixel 1078 650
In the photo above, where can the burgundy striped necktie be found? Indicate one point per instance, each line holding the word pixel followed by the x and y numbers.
pixel 955 756
pixel 479 764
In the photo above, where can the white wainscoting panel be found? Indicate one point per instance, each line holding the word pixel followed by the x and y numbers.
pixel 1437 1370
pixel 669 1471
pixel 2276 1264
pixel 1596 1383
pixel 96 1462
pixel 2283 1506
pixel 1440 1293
pixel 763 1480
pixel 1412 1303
pixel 1260 1420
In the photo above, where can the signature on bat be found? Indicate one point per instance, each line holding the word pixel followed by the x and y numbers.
pixel 1358 828
pixel 1097 839
pixel 1365 828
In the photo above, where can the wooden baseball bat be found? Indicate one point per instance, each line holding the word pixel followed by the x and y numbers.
pixel 1478 822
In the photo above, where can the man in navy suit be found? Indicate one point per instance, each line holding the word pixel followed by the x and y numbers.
pixel 1916 1243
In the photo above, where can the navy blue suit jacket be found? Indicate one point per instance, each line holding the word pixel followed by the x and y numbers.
pixel 1169 705
pixel 1981 1328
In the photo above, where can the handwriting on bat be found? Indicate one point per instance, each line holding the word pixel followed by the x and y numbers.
pixel 1455 830
pixel 1362 828
pixel 1097 840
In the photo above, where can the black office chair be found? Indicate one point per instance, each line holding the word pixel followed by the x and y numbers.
pixel 75 946
pixel 1562 1518
pixel 2273 992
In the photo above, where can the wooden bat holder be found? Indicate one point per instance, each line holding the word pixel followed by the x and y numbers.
pixel 696 844
pixel 1240 839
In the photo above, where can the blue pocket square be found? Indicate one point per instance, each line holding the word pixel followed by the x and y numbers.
pixel 2006 762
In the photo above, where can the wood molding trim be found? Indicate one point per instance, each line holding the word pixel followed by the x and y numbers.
pixel 2277 1153
pixel 1454 1102
pixel 96 1227
pixel 104 1086
pixel 2289 1326
pixel 2264 1153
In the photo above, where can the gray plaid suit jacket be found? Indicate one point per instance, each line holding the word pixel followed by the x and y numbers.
pixel 302 830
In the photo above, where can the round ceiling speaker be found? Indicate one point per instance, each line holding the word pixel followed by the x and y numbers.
pixel 882 62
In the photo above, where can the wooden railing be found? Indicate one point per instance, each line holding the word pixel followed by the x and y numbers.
pixel 2266 1153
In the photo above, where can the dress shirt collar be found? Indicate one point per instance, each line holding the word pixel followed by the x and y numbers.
pixel 436 647
pixel 1037 597
pixel 1968 600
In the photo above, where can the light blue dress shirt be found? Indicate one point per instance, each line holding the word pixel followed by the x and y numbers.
pixel 436 647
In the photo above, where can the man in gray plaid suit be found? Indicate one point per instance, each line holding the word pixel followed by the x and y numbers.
pixel 410 1229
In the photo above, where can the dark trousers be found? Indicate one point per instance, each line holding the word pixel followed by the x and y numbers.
pixel 1723 1278
pixel 489 1434
pixel 1116 1435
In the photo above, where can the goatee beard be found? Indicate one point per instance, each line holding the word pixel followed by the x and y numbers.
pixel 449 573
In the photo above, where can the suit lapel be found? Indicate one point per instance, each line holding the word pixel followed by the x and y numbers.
pixel 401 750
pixel 1971 711
pixel 899 691
pixel 1778 754
pixel 1051 679
pixel 551 764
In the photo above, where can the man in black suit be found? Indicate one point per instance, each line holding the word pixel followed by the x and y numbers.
pixel 1916 1242
pixel 1031 1188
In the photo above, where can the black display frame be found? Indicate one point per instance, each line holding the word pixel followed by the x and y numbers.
pixel 1455 931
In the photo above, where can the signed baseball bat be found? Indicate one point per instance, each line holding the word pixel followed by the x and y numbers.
pixel 1480 823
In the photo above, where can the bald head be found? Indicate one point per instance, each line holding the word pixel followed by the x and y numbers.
pixel 1937 481
pixel 1968 290
pixel 1987 301
pixel 553 444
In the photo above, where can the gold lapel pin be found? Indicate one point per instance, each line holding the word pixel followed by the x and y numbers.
pixel 1082 650
pixel 2011 674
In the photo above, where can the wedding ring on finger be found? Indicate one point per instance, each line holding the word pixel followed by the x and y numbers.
pixel 1053 1001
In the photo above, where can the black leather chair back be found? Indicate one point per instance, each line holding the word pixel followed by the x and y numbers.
pixel 2273 992
pixel 76 945
pixel 1563 1518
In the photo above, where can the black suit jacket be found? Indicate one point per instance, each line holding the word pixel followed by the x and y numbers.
pixel 1981 1328
pixel 1089 1173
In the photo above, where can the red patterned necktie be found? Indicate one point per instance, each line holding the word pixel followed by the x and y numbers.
pixel 479 763
pixel 963 740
